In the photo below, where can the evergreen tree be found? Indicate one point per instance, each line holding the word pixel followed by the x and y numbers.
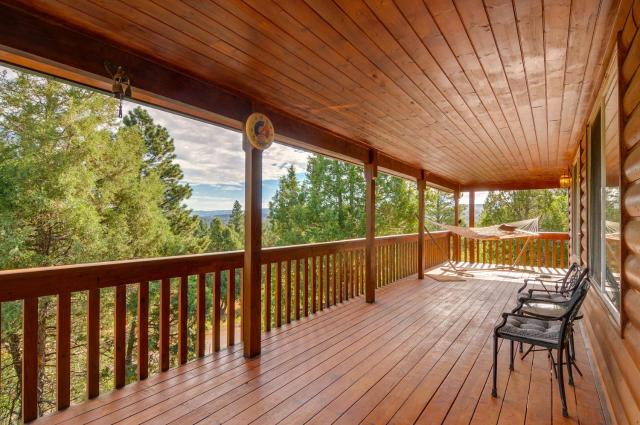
pixel 507 206
pixel 159 159
pixel 286 212
pixel 223 238
pixel 236 220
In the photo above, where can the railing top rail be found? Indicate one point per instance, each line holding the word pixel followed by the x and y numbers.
pixel 43 281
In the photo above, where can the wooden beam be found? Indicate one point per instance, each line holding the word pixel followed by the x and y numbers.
pixel 251 287
pixel 421 187
pixel 76 54
pixel 534 184
pixel 370 174
pixel 456 219
pixel 439 182
pixel 472 220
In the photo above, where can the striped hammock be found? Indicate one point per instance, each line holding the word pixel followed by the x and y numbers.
pixel 514 230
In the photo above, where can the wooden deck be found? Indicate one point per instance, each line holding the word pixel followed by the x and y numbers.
pixel 420 354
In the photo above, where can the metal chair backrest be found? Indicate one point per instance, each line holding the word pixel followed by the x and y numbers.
pixel 572 279
pixel 574 303
pixel 577 298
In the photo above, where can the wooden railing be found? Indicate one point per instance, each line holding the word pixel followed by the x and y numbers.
pixel 297 281
pixel 548 249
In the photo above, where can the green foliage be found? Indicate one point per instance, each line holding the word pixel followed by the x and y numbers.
pixel 75 187
pixel 550 205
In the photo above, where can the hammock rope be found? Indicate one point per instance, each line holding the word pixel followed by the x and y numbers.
pixel 513 230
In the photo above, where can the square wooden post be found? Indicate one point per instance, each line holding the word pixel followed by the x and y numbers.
pixel 456 219
pixel 251 283
pixel 421 186
pixel 370 174
pixel 472 221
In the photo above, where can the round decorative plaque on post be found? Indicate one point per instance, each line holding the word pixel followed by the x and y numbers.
pixel 259 131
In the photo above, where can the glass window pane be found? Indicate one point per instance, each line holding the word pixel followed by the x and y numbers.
pixel 611 193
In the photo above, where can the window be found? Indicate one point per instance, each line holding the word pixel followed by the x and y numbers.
pixel 604 194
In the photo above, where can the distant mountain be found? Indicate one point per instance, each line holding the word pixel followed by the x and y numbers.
pixel 208 216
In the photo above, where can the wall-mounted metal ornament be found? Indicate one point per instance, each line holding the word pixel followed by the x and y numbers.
pixel 121 86
pixel 259 131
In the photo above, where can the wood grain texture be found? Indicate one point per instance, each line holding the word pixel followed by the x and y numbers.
pixel 143 330
pixel 502 86
pixel 421 353
pixel 120 329
pixel 63 352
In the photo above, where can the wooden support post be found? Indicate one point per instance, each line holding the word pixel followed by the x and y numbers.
pixel 456 219
pixel 370 174
pixel 251 286
pixel 472 222
pixel 421 186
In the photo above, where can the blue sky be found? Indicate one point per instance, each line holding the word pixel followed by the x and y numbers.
pixel 212 161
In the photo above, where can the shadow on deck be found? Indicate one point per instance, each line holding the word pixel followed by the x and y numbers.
pixel 420 354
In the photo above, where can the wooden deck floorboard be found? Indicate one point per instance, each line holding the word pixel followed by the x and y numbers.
pixel 420 354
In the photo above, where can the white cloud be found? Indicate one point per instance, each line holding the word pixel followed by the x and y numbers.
pixel 209 154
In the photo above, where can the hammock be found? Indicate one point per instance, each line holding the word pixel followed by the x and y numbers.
pixel 517 229
pixel 514 230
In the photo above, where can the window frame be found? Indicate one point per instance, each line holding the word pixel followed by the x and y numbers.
pixel 596 186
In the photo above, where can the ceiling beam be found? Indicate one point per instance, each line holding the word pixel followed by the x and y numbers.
pixel 34 42
pixel 535 184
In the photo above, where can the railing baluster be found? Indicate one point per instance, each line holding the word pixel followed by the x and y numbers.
pixel 314 285
pixel 63 351
pixel 120 323
pixel 278 294
pixel 267 298
pixel 305 290
pixel 30 359
pixel 327 281
pixel 288 292
pixel 216 304
pixel 183 312
pixel 231 307
pixel 165 306
pixel 93 343
pixel 333 278
pixel 200 314
pixel 296 290
pixel 143 330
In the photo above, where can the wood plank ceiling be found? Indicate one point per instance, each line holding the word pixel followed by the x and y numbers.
pixel 481 92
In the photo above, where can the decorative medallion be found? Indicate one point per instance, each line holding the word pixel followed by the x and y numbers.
pixel 259 131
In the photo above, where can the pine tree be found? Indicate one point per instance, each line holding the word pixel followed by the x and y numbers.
pixel 236 220
pixel 159 159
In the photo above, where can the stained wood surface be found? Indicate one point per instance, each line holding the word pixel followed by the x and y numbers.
pixel 504 87
pixel 420 354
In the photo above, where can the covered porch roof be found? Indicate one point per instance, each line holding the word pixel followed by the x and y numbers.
pixel 483 95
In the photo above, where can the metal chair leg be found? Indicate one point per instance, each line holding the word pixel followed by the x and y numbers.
pixel 569 367
pixel 510 354
pixel 494 391
pixel 561 383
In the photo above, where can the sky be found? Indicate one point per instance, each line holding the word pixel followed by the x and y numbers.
pixel 212 161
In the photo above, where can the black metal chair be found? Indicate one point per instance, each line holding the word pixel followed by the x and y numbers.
pixel 562 287
pixel 550 333
pixel 545 303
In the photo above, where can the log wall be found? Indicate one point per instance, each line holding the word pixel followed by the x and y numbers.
pixel 616 342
